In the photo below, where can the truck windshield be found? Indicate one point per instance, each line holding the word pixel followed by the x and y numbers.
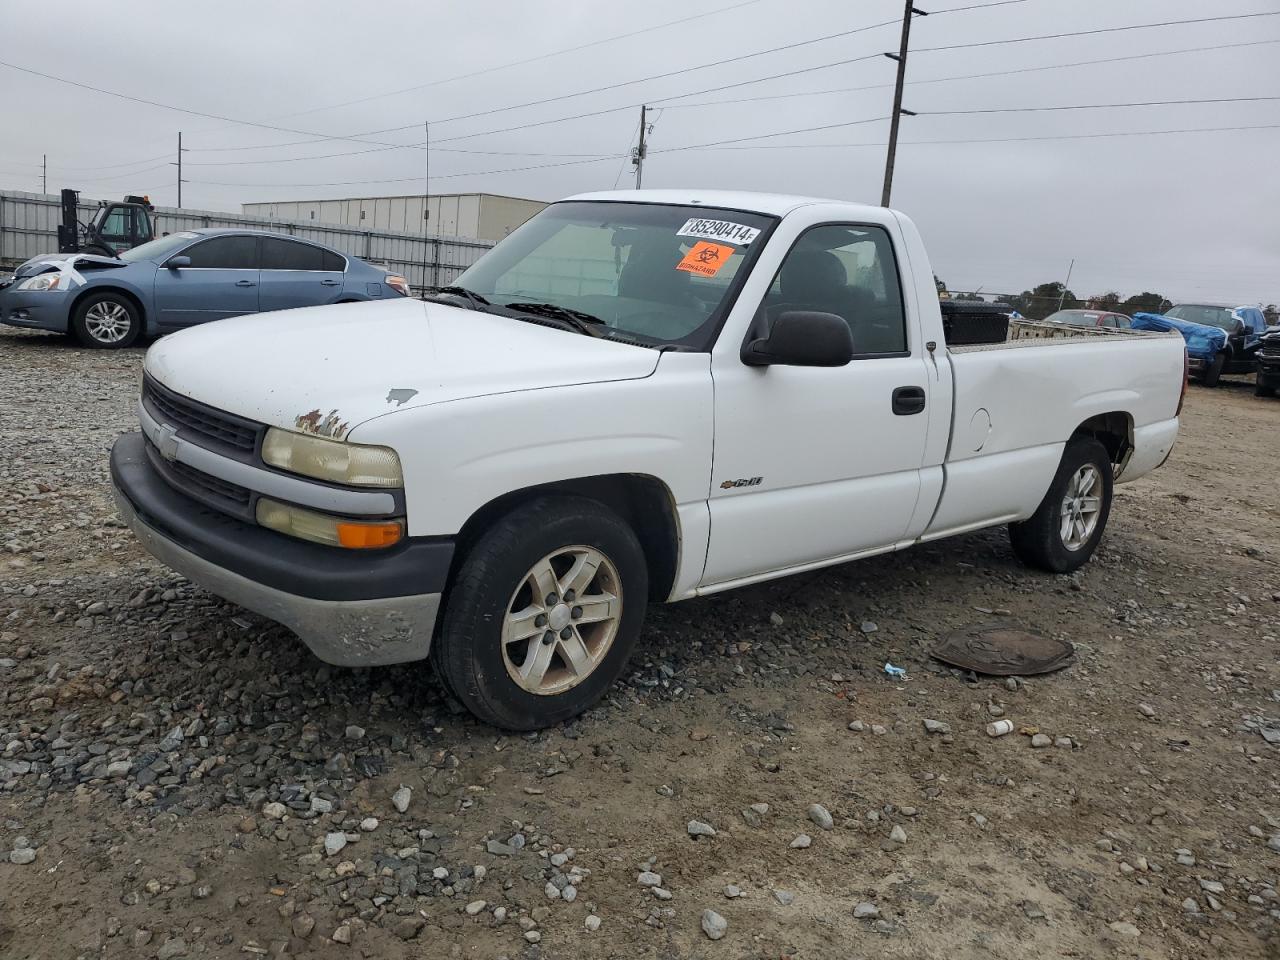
pixel 659 273
pixel 1210 316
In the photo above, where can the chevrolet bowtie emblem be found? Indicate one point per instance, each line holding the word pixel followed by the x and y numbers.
pixel 167 442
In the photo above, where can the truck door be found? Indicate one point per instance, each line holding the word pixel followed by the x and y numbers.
pixel 814 463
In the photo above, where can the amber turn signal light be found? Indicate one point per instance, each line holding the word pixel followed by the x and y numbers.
pixel 361 536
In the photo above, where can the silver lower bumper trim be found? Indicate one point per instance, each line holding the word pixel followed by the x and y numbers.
pixel 346 633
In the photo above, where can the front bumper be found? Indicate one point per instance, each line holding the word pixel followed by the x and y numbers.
pixel 351 608
pixel 34 310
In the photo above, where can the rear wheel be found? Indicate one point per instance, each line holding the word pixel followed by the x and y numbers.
pixel 1067 526
pixel 106 320
pixel 543 613
pixel 1213 370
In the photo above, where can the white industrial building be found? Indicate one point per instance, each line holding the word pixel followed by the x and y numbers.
pixel 479 216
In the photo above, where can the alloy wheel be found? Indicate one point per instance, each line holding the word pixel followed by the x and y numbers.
pixel 561 620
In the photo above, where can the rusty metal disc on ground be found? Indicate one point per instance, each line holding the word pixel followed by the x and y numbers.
pixel 1004 650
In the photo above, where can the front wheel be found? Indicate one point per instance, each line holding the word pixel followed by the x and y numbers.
pixel 1261 389
pixel 106 321
pixel 1213 370
pixel 543 613
pixel 1067 526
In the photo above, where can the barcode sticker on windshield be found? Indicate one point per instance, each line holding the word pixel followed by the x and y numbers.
pixel 723 230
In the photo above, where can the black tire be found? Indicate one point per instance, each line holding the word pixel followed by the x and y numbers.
pixel 1261 389
pixel 468 654
pixel 88 330
pixel 1038 541
pixel 97 250
pixel 1213 371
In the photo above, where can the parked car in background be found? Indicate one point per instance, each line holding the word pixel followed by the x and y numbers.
pixel 1244 327
pixel 1269 364
pixel 184 279
pixel 1091 318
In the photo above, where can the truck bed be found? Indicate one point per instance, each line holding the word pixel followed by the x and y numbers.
pixel 1036 333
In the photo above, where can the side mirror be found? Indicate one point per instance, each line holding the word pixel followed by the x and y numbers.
pixel 802 338
pixel 175 263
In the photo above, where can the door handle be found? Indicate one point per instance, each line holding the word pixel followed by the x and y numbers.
pixel 908 401
pixel 245 283
pixel 331 283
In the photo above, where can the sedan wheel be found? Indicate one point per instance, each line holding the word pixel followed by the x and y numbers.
pixel 107 321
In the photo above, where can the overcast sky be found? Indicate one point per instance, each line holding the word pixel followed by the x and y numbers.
pixel 1193 216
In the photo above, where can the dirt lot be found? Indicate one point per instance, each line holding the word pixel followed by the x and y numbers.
pixel 172 766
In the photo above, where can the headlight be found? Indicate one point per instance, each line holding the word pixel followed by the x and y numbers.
pixel 333 531
pixel 46 281
pixel 398 283
pixel 356 464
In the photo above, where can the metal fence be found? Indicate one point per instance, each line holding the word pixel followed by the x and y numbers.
pixel 29 227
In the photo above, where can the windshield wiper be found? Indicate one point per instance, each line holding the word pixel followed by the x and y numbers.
pixel 478 303
pixel 586 323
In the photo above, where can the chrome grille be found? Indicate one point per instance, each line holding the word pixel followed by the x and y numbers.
pixel 1271 346
pixel 199 422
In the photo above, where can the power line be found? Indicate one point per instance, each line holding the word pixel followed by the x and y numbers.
pixel 670 73
pixel 975 6
pixel 354 153
pixel 977 76
pixel 778 133
pixel 1092 106
pixel 881 143
pixel 262 125
pixel 1095 32
pixel 359 137
pixel 418 179
pixel 520 63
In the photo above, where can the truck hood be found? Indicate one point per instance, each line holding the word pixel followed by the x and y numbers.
pixel 325 370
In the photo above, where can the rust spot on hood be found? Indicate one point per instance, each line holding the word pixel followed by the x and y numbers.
pixel 323 424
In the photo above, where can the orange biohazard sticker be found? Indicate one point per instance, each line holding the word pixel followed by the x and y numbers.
pixel 705 258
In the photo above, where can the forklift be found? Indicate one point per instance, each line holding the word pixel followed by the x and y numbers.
pixel 115 226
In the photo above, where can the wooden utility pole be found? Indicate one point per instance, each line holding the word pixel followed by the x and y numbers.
pixel 641 149
pixel 901 57
pixel 179 169
pixel 44 173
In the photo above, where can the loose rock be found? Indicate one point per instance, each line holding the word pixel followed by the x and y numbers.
pixel 714 925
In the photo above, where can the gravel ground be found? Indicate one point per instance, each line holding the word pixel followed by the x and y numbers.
pixel 179 778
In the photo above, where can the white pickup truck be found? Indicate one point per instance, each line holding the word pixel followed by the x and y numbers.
pixel 635 397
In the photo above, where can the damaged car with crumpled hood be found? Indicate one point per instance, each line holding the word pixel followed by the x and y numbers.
pixel 183 279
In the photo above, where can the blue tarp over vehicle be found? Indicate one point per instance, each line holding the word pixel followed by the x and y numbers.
pixel 1203 342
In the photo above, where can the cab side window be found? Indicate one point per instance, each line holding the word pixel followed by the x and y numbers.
pixel 848 270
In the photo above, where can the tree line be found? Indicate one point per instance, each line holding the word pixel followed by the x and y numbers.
pixel 1046 298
